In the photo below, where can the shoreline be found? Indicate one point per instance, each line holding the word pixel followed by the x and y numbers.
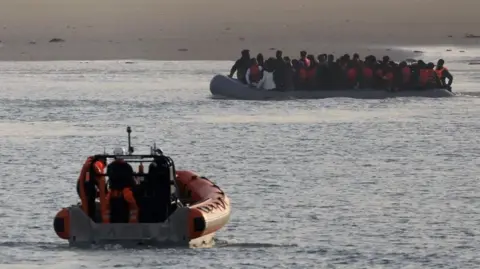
pixel 227 49
pixel 212 30
pixel 379 50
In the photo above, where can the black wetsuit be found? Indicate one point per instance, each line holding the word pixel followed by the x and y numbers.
pixel 241 66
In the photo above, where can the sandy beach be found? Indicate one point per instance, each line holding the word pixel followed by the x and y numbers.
pixel 219 29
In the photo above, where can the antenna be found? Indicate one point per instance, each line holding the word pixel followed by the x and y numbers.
pixel 130 148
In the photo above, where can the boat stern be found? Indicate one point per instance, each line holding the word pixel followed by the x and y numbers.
pixel 81 231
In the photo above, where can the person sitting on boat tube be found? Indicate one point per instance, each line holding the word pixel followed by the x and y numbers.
pixel 267 82
pixel 254 73
pixel 241 66
pixel 427 77
pixel 90 185
pixel 442 74
pixel 121 205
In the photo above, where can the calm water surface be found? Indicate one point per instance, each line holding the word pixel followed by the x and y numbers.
pixel 336 183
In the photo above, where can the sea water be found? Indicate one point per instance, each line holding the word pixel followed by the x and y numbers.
pixel 333 183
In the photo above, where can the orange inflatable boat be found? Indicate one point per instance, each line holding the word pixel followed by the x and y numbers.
pixel 159 206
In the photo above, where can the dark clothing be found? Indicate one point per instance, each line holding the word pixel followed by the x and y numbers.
pixel 289 76
pixel 154 194
pixel 120 175
pixel 322 76
pixel 333 76
pixel 90 189
pixel 279 76
pixel 241 66
pixel 119 208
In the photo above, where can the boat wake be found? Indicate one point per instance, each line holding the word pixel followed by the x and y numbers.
pixel 468 94
pixel 219 243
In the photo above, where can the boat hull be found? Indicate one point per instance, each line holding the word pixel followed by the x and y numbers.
pixel 223 86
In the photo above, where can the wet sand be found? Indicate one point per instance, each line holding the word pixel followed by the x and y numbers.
pixel 219 29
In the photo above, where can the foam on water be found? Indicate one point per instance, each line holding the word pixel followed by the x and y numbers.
pixel 334 183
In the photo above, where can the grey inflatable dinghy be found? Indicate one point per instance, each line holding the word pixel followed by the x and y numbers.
pixel 223 86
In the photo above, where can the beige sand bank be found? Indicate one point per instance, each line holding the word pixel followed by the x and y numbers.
pixel 219 29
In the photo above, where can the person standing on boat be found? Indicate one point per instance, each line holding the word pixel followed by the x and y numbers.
pixel 304 59
pixel 254 73
pixel 267 82
pixel 241 66
pixel 91 184
pixel 280 74
pixel 443 73
pixel 121 205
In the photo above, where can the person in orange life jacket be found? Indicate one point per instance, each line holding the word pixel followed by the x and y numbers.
pixel 300 74
pixel 427 77
pixel 352 75
pixel 121 204
pixel 388 77
pixel 443 73
pixel 357 64
pixel 304 59
pixel 366 75
pixel 254 73
pixel 241 66
pixel 406 74
pixel 91 185
pixel 415 78
pixel 311 73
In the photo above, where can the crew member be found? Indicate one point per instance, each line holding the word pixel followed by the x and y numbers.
pixel 121 204
pixel 91 184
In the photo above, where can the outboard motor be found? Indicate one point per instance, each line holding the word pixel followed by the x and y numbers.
pixel 157 190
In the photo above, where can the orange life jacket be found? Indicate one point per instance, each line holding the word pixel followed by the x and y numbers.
pixel 352 75
pixel 302 74
pixel 255 73
pixel 367 72
pixel 85 176
pixel 439 72
pixel 127 195
pixel 389 76
pixel 406 74
pixel 311 73
pixel 306 62
pixel 426 76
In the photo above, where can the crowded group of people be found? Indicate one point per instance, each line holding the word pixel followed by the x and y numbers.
pixel 347 72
